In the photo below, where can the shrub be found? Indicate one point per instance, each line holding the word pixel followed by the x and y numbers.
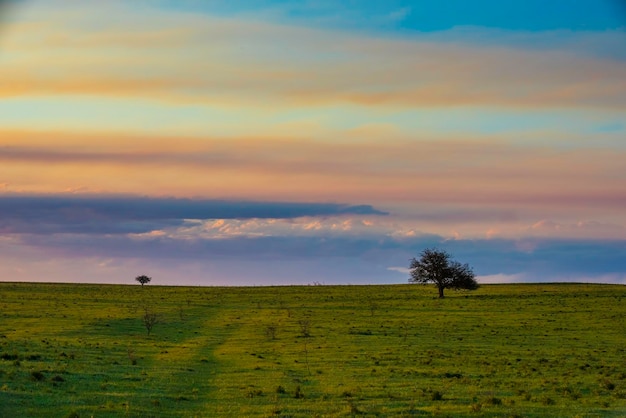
pixel 131 356
pixel 607 384
pixel 37 376
pixel 475 407
pixel 149 319
pixel 492 400
pixel 270 331
pixel 305 327
pixel 620 394
pixel 354 409
pixel 252 393
pixel 436 396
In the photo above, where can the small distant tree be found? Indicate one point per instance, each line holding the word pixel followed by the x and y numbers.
pixel 149 319
pixel 143 279
pixel 437 266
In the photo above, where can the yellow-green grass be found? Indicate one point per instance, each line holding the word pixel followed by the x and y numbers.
pixel 541 350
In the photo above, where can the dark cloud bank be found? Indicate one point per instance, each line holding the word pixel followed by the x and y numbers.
pixel 129 214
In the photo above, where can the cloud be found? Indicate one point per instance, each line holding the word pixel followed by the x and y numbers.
pixel 328 257
pixel 537 258
pixel 131 214
pixel 501 278
pixel 403 270
pixel 350 225
pixel 542 259
pixel 603 44
pixel 399 14
pixel 616 278
pixel 185 58
pixel 580 229
pixel 447 179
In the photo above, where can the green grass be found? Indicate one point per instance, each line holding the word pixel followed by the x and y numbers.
pixel 550 350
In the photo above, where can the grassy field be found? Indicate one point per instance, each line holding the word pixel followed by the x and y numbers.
pixel 550 350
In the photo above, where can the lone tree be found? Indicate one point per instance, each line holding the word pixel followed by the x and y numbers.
pixel 437 266
pixel 143 279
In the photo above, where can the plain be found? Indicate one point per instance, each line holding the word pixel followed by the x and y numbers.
pixel 527 350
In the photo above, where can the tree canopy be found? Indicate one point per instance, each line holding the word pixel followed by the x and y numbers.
pixel 437 266
pixel 143 279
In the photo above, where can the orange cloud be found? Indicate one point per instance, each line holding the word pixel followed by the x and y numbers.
pixel 189 59
pixel 448 172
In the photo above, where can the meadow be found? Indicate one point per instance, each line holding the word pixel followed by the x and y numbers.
pixel 531 350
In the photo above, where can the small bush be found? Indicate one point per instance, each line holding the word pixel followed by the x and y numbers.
pixel 270 331
pixel 620 394
pixel 280 390
pixel 571 393
pixel 492 400
pixel 305 327
pixel 131 356
pixel 253 393
pixel 436 396
pixel 354 409
pixel 475 407
pixel 37 376
pixel 149 319
pixel 607 384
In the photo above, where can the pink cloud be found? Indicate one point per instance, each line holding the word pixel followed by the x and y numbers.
pixel 83 50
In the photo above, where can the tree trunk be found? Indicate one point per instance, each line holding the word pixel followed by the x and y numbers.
pixel 440 292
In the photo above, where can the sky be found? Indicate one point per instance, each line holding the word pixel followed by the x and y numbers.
pixel 285 142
